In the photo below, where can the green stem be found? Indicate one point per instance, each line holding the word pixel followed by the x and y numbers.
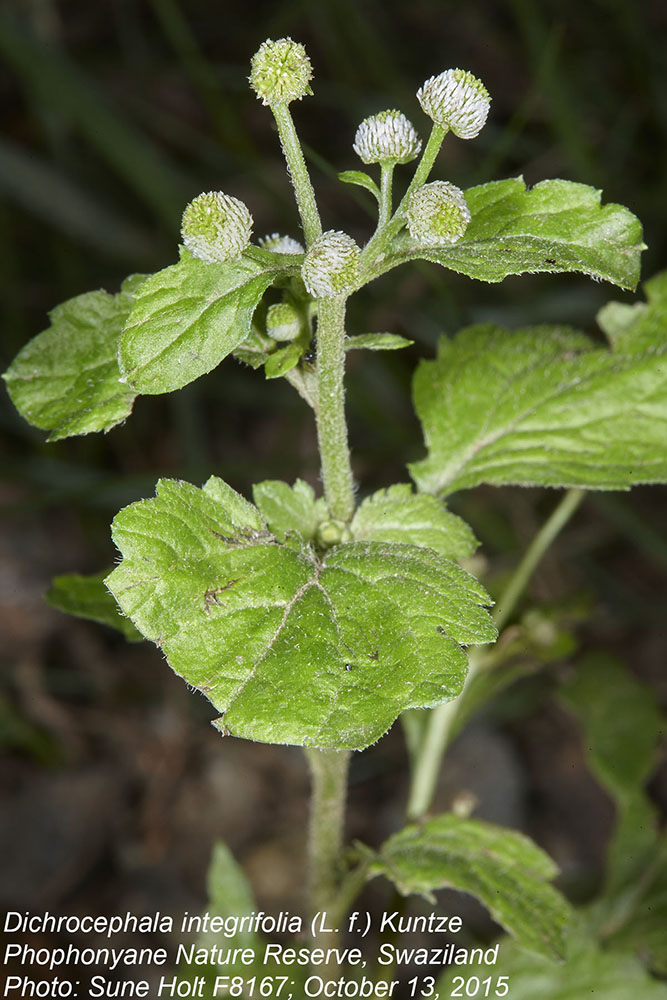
pixel 441 721
pixel 331 424
pixel 298 172
pixel 328 770
pixel 386 184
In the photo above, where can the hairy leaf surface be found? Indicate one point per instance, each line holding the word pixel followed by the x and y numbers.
pixel 290 646
pixel 502 868
pixel 66 380
pixel 540 407
pixel 640 326
pixel 187 318
pixel 290 509
pixel 377 342
pixel 555 226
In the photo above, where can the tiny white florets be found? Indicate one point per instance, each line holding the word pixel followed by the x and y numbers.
pixel 283 321
pixel 331 266
pixel 388 137
pixel 438 214
pixel 216 227
pixel 280 71
pixel 280 244
pixel 456 100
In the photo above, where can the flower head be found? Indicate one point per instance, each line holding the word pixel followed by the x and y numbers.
pixel 216 227
pixel 331 266
pixel 387 137
pixel 282 321
pixel 280 244
pixel 456 100
pixel 280 72
pixel 438 214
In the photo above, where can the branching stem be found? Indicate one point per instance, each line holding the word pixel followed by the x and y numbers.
pixel 298 172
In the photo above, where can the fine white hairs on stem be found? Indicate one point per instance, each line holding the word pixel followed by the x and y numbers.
pixel 456 100
pixel 280 244
pixel 331 266
pixel 280 72
pixel 216 227
pixel 438 214
pixel 388 137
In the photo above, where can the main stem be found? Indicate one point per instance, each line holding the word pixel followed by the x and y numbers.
pixel 331 423
pixel 328 770
pixel 440 725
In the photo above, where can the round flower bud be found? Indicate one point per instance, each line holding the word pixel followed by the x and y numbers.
pixel 280 244
pixel 331 266
pixel 456 100
pixel 438 214
pixel 283 321
pixel 216 227
pixel 280 72
pixel 333 533
pixel 387 137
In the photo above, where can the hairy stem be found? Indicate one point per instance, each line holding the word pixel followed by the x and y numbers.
pixel 298 172
pixel 331 424
pixel 441 721
pixel 328 769
pixel 385 194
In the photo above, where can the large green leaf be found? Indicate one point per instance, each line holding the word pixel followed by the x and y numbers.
pixel 291 646
pixel 541 406
pixel 587 972
pixel 188 317
pixel 87 597
pixel 555 226
pixel 502 868
pixel 640 326
pixel 66 379
pixel 398 515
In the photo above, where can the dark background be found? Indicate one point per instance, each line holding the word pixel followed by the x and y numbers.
pixel 115 114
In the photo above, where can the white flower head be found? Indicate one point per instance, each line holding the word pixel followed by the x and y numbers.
pixel 280 244
pixel 331 266
pixel 280 72
pixel 438 214
pixel 282 321
pixel 216 227
pixel 387 137
pixel 456 100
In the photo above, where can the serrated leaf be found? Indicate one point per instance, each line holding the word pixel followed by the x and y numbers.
pixel 187 318
pixel 290 509
pixel 540 407
pixel 290 647
pixel 586 972
pixel 283 360
pixel 66 380
pixel 502 868
pixel 398 515
pixel 640 326
pixel 87 597
pixel 377 342
pixel 361 179
pixel 555 226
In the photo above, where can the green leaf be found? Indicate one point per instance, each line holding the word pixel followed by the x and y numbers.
pixel 540 407
pixel 66 379
pixel 229 895
pixel 586 972
pixel 283 360
pixel 187 318
pixel 555 226
pixel 290 509
pixel 361 179
pixel 377 342
pixel 87 597
pixel 292 648
pixel 502 868
pixel 641 326
pixel 398 515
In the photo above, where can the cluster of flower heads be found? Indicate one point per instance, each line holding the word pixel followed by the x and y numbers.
pixel 217 227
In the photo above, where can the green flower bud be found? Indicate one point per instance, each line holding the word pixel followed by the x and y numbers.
pixel 331 266
pixel 280 244
pixel 438 214
pixel 216 227
pixel 280 72
pixel 283 321
pixel 333 533
pixel 456 100
pixel 387 137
